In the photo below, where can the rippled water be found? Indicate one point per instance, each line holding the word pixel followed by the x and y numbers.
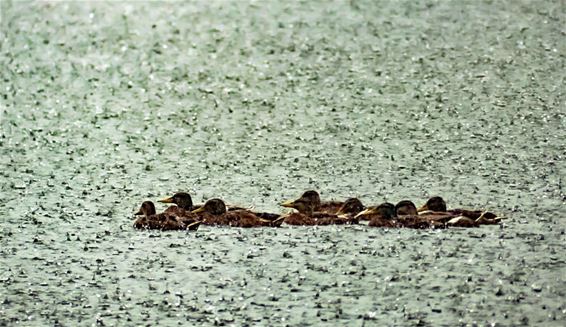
pixel 105 105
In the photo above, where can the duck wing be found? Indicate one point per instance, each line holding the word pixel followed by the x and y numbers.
pixel 175 210
pixel 377 221
pixel 330 207
pixel 245 219
pixel 267 215
pixel 299 219
pixel 162 221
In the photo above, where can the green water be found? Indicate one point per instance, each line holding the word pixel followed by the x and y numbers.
pixel 105 105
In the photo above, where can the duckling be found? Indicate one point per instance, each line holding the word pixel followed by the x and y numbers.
pixel 163 221
pixel 214 213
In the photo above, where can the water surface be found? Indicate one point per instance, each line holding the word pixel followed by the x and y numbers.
pixel 105 105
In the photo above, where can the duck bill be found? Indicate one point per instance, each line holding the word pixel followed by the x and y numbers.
pixel 201 209
pixel 364 212
pixel 423 208
pixel 139 213
pixel 288 204
pixel 166 200
pixel 194 225
pixel 276 221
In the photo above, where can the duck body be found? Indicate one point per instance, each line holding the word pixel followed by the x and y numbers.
pixel 159 221
pixel 318 219
pixel 176 211
pixel 462 221
pixel 247 219
pixel 422 222
pixel 215 213
pixel 383 223
pixel 334 219
pixel 331 207
pixel 299 219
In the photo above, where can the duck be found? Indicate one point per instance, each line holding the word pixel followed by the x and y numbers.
pixel 434 204
pixel 408 217
pixel 313 198
pixel 214 212
pixel 351 207
pixel 382 215
pixel 437 206
pixel 164 221
pixel 308 215
pixel 183 203
pixel 346 214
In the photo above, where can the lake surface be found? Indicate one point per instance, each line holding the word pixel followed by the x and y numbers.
pixel 106 105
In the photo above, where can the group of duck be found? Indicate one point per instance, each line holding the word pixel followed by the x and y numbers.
pixel 309 211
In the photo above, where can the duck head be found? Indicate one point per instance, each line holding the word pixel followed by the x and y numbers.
pixel 307 203
pixel 435 203
pixel 181 199
pixel 147 209
pixel 385 211
pixel 214 207
pixel 351 206
pixel 405 208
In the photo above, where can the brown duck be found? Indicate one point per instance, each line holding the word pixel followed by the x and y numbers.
pixel 437 206
pixel 183 204
pixel 332 207
pixel 164 221
pixel 408 217
pixel 382 215
pixel 214 212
